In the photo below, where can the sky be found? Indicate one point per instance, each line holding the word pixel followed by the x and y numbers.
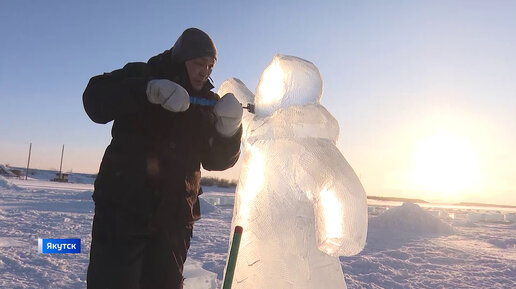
pixel 423 91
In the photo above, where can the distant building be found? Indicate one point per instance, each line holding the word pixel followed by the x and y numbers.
pixel 60 177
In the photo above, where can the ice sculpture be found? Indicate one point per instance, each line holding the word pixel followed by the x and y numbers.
pixel 299 201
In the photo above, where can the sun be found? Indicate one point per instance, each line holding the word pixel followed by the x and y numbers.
pixel 445 167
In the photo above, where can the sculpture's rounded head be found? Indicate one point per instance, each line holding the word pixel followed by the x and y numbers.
pixel 288 81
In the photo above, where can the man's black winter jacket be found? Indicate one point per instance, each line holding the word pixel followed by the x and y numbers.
pixel 152 166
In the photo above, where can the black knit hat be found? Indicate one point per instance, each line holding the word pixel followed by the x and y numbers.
pixel 191 44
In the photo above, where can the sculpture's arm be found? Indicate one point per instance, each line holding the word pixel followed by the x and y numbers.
pixel 244 96
pixel 339 201
pixel 238 88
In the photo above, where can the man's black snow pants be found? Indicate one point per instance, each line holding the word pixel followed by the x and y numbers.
pixel 126 254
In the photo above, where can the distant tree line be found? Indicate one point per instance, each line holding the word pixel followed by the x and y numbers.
pixel 205 181
pixel 210 181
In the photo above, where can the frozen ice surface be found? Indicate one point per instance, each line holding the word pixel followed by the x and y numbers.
pixel 299 201
pixel 480 255
pixel 37 208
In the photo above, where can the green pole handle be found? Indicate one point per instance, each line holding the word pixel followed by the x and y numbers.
pixel 233 254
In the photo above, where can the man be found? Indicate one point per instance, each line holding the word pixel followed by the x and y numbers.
pixel 146 192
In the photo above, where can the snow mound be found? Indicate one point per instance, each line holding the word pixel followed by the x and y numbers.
pixel 5 171
pixel 494 217
pixel 6 184
pixel 84 195
pixel 410 217
pixel 509 243
pixel 12 242
pixel 510 217
pixel 474 217
pixel 198 278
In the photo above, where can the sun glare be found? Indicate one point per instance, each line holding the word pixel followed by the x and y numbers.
pixel 332 210
pixel 271 86
pixel 445 166
pixel 254 168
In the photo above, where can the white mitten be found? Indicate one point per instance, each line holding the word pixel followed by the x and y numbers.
pixel 229 115
pixel 169 94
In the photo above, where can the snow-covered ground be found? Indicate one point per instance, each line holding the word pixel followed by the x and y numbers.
pixel 407 246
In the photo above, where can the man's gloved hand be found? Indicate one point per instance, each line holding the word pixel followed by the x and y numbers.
pixel 229 115
pixel 169 94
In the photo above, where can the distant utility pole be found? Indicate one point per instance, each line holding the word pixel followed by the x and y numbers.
pixel 28 161
pixel 61 166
